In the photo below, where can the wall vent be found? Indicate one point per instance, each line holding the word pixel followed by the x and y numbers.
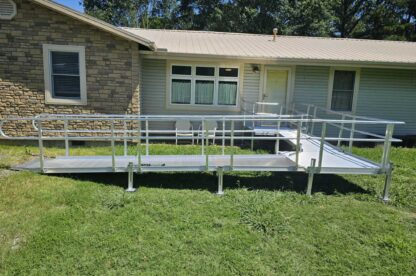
pixel 8 9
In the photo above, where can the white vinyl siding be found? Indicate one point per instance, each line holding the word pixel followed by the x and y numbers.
pixel 311 85
pixel 382 93
pixel 388 94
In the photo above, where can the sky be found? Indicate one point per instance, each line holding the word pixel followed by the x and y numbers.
pixel 73 4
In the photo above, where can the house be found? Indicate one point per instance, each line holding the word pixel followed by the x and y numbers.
pixel 56 60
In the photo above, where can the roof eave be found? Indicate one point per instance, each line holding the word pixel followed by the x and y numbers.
pixel 293 61
pixel 96 23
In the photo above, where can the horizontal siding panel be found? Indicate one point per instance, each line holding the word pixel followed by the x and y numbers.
pixel 251 85
pixel 389 94
pixel 311 85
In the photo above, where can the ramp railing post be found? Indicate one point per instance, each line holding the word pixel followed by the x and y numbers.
pixel 232 145
pixel 322 145
pixel 315 108
pixel 66 136
pixel 139 147
pixel 223 136
pixel 308 109
pixel 311 173
pixel 387 146
pixel 147 136
pixel 125 136
pixel 202 135
pixel 352 132
pixel 387 183
pixel 113 148
pixel 298 143
pixel 220 174
pixel 341 130
pixel 130 187
pixel 279 122
pixel 41 149
pixel 252 140
pixel 206 151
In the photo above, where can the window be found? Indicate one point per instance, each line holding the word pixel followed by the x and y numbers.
pixel 65 80
pixel 204 85
pixel 227 92
pixel 344 83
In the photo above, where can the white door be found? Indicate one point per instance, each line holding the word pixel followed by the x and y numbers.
pixel 275 86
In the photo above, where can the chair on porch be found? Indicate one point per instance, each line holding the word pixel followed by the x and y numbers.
pixel 210 127
pixel 183 128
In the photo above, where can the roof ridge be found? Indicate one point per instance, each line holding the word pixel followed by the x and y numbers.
pixel 286 36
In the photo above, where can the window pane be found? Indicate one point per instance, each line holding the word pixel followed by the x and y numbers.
pixel 66 87
pixel 204 92
pixel 205 71
pixel 228 72
pixel 344 80
pixel 65 63
pixel 181 70
pixel 341 100
pixel 181 91
pixel 227 92
pixel 343 91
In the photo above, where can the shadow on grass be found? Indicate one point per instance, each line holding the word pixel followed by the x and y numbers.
pixel 327 184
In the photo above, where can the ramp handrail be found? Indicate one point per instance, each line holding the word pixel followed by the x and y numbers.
pixel 116 129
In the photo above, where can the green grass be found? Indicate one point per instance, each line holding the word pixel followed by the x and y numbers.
pixel 87 224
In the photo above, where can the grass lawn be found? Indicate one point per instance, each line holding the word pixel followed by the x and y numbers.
pixel 264 224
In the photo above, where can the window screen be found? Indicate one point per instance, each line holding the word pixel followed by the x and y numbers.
pixel 343 90
pixel 65 71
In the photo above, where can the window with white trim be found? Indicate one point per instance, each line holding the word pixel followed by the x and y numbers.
pixel 204 85
pixel 343 90
pixel 65 80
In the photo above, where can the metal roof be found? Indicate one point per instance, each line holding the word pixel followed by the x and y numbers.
pixel 294 48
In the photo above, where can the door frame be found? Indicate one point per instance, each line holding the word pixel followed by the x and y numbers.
pixel 290 80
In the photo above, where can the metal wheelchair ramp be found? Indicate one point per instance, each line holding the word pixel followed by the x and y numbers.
pixel 157 163
pixel 312 154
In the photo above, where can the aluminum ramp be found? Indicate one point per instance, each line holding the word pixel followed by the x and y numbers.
pixel 334 160
pixel 312 155
pixel 155 163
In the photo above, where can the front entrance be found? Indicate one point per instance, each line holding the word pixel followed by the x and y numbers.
pixel 275 89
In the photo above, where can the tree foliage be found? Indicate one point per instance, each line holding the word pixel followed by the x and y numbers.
pixel 373 19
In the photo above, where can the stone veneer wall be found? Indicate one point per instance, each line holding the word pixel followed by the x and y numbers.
pixel 111 66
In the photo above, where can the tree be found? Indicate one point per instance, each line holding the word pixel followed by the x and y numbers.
pixel 347 17
pixel 309 17
pixel 374 19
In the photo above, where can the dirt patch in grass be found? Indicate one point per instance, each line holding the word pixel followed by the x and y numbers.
pixel 6 173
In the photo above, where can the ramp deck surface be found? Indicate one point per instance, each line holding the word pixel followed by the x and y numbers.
pixel 85 164
pixel 334 160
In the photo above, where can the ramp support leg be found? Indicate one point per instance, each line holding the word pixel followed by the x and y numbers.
pixel 220 174
pixel 311 174
pixel 130 187
pixel 387 182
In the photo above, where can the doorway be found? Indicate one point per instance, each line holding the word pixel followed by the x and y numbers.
pixel 276 84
